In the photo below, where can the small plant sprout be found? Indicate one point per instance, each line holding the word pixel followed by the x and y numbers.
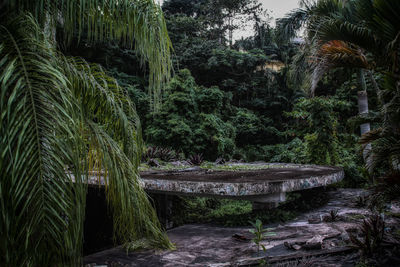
pixel 196 159
pixel 259 234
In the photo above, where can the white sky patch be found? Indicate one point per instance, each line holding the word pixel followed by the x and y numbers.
pixel 276 9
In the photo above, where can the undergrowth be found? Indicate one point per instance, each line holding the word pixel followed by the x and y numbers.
pixel 229 212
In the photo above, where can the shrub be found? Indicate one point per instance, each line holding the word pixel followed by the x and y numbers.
pixel 190 120
pixel 372 231
pixel 196 159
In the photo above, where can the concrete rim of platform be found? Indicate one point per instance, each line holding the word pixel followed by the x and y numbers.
pixel 158 182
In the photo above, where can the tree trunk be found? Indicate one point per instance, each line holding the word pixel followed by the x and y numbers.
pixel 230 31
pixel 376 87
pixel 363 111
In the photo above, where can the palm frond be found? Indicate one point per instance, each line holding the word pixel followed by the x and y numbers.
pixel 386 18
pixel 114 141
pixel 336 54
pixel 137 24
pixel 361 34
pixel 299 73
pixel 371 136
pixel 61 118
pixel 39 139
pixel 333 29
pixel 342 54
pixel 289 26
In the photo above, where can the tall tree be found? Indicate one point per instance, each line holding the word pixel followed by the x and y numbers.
pixel 230 15
pixel 222 17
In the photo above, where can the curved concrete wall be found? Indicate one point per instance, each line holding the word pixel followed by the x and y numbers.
pixel 244 190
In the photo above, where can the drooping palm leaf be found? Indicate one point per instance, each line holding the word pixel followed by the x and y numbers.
pixel 53 109
pixel 289 26
pixel 334 29
pixel 342 54
pixel 299 72
pixel 113 136
pixel 39 139
pixel 137 24
pixel 336 54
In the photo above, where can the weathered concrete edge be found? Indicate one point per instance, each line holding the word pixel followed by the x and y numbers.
pixel 225 189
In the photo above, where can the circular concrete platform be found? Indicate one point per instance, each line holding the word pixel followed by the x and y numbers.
pixel 258 182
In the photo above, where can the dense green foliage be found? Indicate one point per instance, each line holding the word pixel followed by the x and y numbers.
pixel 189 120
pixel 254 85
pixel 241 101
pixel 229 212
pixel 245 110
pixel 321 138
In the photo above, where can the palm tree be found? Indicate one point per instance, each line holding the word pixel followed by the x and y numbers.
pixel 335 54
pixel 375 32
pixel 325 55
pixel 365 34
pixel 63 119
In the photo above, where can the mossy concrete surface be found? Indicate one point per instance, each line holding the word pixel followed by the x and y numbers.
pixel 269 182
pixel 259 182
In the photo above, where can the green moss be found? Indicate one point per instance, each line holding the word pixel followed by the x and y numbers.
pixel 241 167
pixel 167 166
pixel 229 207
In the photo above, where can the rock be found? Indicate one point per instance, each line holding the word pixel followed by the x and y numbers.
pixel 296 247
pixel 292 246
pixel 314 243
pixel 281 235
pixel 342 229
pixel 314 220
pixel 249 261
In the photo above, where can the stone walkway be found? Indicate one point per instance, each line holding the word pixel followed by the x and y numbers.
pixel 207 245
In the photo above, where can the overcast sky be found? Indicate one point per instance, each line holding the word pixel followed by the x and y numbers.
pixel 276 9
